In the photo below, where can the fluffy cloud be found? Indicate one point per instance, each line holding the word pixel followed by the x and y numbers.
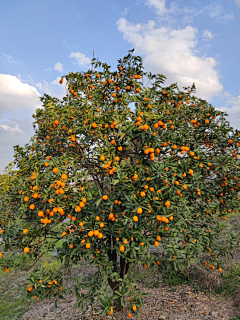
pixel 18 101
pixel 15 95
pixel 13 132
pixel 207 34
pixel 187 13
pixel 80 58
pixel 159 5
pixel 173 53
pixel 58 66
pixel 54 89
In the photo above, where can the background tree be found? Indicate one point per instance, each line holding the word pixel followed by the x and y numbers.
pixel 132 166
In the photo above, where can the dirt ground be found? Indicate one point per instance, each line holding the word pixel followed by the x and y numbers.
pixel 162 303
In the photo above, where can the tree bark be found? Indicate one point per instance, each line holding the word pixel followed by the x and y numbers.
pixel 123 270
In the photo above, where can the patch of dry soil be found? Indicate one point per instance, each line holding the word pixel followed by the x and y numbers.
pixel 162 303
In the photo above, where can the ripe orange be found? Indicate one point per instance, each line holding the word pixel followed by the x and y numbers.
pixel 122 248
pixel 139 210
pixel 25 231
pixel 55 170
pixel 64 176
pixel 88 245
pixel 167 204
pixel 26 250
pixel 135 219
pixel 111 311
pixel 134 307
pixel 96 233
pixel 78 209
pixel 102 158
pixel 156 243
pixel 71 246
pixel 100 235
pixel 105 197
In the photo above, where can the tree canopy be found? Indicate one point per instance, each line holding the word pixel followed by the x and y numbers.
pixel 122 171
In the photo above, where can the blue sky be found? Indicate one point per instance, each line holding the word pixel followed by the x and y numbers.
pixel 188 41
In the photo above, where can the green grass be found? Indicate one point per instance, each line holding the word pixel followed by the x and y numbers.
pixel 230 281
pixel 13 291
pixel 13 302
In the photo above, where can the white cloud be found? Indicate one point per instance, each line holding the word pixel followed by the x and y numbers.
pixel 9 58
pixel 54 88
pixel 15 95
pixel 207 34
pixel 217 12
pixel 18 101
pixel 159 5
pixel 81 59
pixel 177 11
pixel 14 132
pixel 124 12
pixel 58 66
pixel 237 3
pixel 10 129
pixel 172 52
pixel 232 107
pixel 228 17
pixel 56 81
pixel 214 9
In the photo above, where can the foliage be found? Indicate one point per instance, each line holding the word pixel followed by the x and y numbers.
pixel 143 172
pixel 230 281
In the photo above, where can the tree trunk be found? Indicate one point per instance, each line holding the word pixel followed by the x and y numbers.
pixel 123 270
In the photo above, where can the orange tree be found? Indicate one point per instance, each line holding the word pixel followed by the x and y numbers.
pixel 114 169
